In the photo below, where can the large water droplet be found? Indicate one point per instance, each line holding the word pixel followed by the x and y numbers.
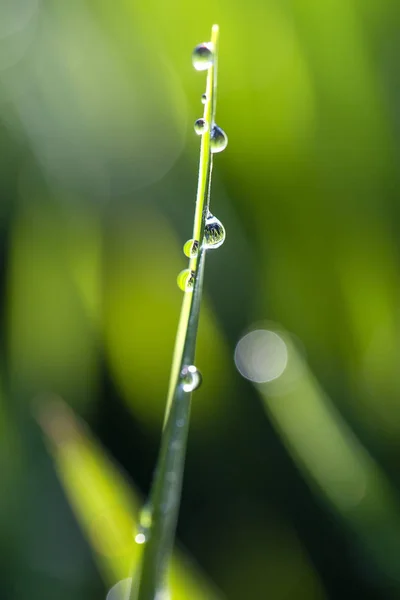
pixel 185 280
pixel 191 248
pixel 204 98
pixel 218 140
pixel 203 56
pixel 190 378
pixel 200 126
pixel 214 232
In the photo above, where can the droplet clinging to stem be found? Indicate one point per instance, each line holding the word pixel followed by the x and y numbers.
pixel 219 139
pixel 191 248
pixel 200 126
pixel 214 232
pixel 190 378
pixel 185 280
pixel 203 56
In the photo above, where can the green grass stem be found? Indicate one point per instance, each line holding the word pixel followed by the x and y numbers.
pixel 165 494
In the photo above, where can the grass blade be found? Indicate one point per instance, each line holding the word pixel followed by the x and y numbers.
pixel 165 493
pixel 334 462
pixel 105 504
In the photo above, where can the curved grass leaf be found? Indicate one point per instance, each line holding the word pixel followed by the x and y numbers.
pixel 334 462
pixel 106 505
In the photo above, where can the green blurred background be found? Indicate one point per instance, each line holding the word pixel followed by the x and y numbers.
pixel 291 487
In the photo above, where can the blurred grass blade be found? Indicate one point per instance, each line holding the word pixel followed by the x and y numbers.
pixel 106 506
pixel 334 461
pixel 166 488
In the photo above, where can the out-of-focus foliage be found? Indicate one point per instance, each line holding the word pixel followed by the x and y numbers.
pixel 98 174
pixel 105 505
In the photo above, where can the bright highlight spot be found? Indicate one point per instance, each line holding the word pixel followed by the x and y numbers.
pixel 140 538
pixel 261 356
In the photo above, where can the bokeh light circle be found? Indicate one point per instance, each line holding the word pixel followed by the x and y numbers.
pixel 261 356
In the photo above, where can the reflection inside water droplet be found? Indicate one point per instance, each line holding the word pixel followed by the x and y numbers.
pixel 203 56
pixel 214 232
pixel 218 140
pixel 204 98
pixel 185 280
pixel 191 248
pixel 200 126
pixel 190 378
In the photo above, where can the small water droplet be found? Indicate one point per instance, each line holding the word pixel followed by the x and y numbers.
pixel 200 126
pixel 214 232
pixel 203 56
pixel 190 378
pixel 144 525
pixel 204 98
pixel 191 248
pixel 218 140
pixel 185 280
pixel 145 518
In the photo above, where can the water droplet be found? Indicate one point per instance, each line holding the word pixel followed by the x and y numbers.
pixel 145 518
pixel 200 126
pixel 218 140
pixel 185 280
pixel 191 248
pixel 203 56
pixel 204 98
pixel 214 232
pixel 145 521
pixel 190 378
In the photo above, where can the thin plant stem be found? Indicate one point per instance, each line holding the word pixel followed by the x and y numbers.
pixel 165 493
